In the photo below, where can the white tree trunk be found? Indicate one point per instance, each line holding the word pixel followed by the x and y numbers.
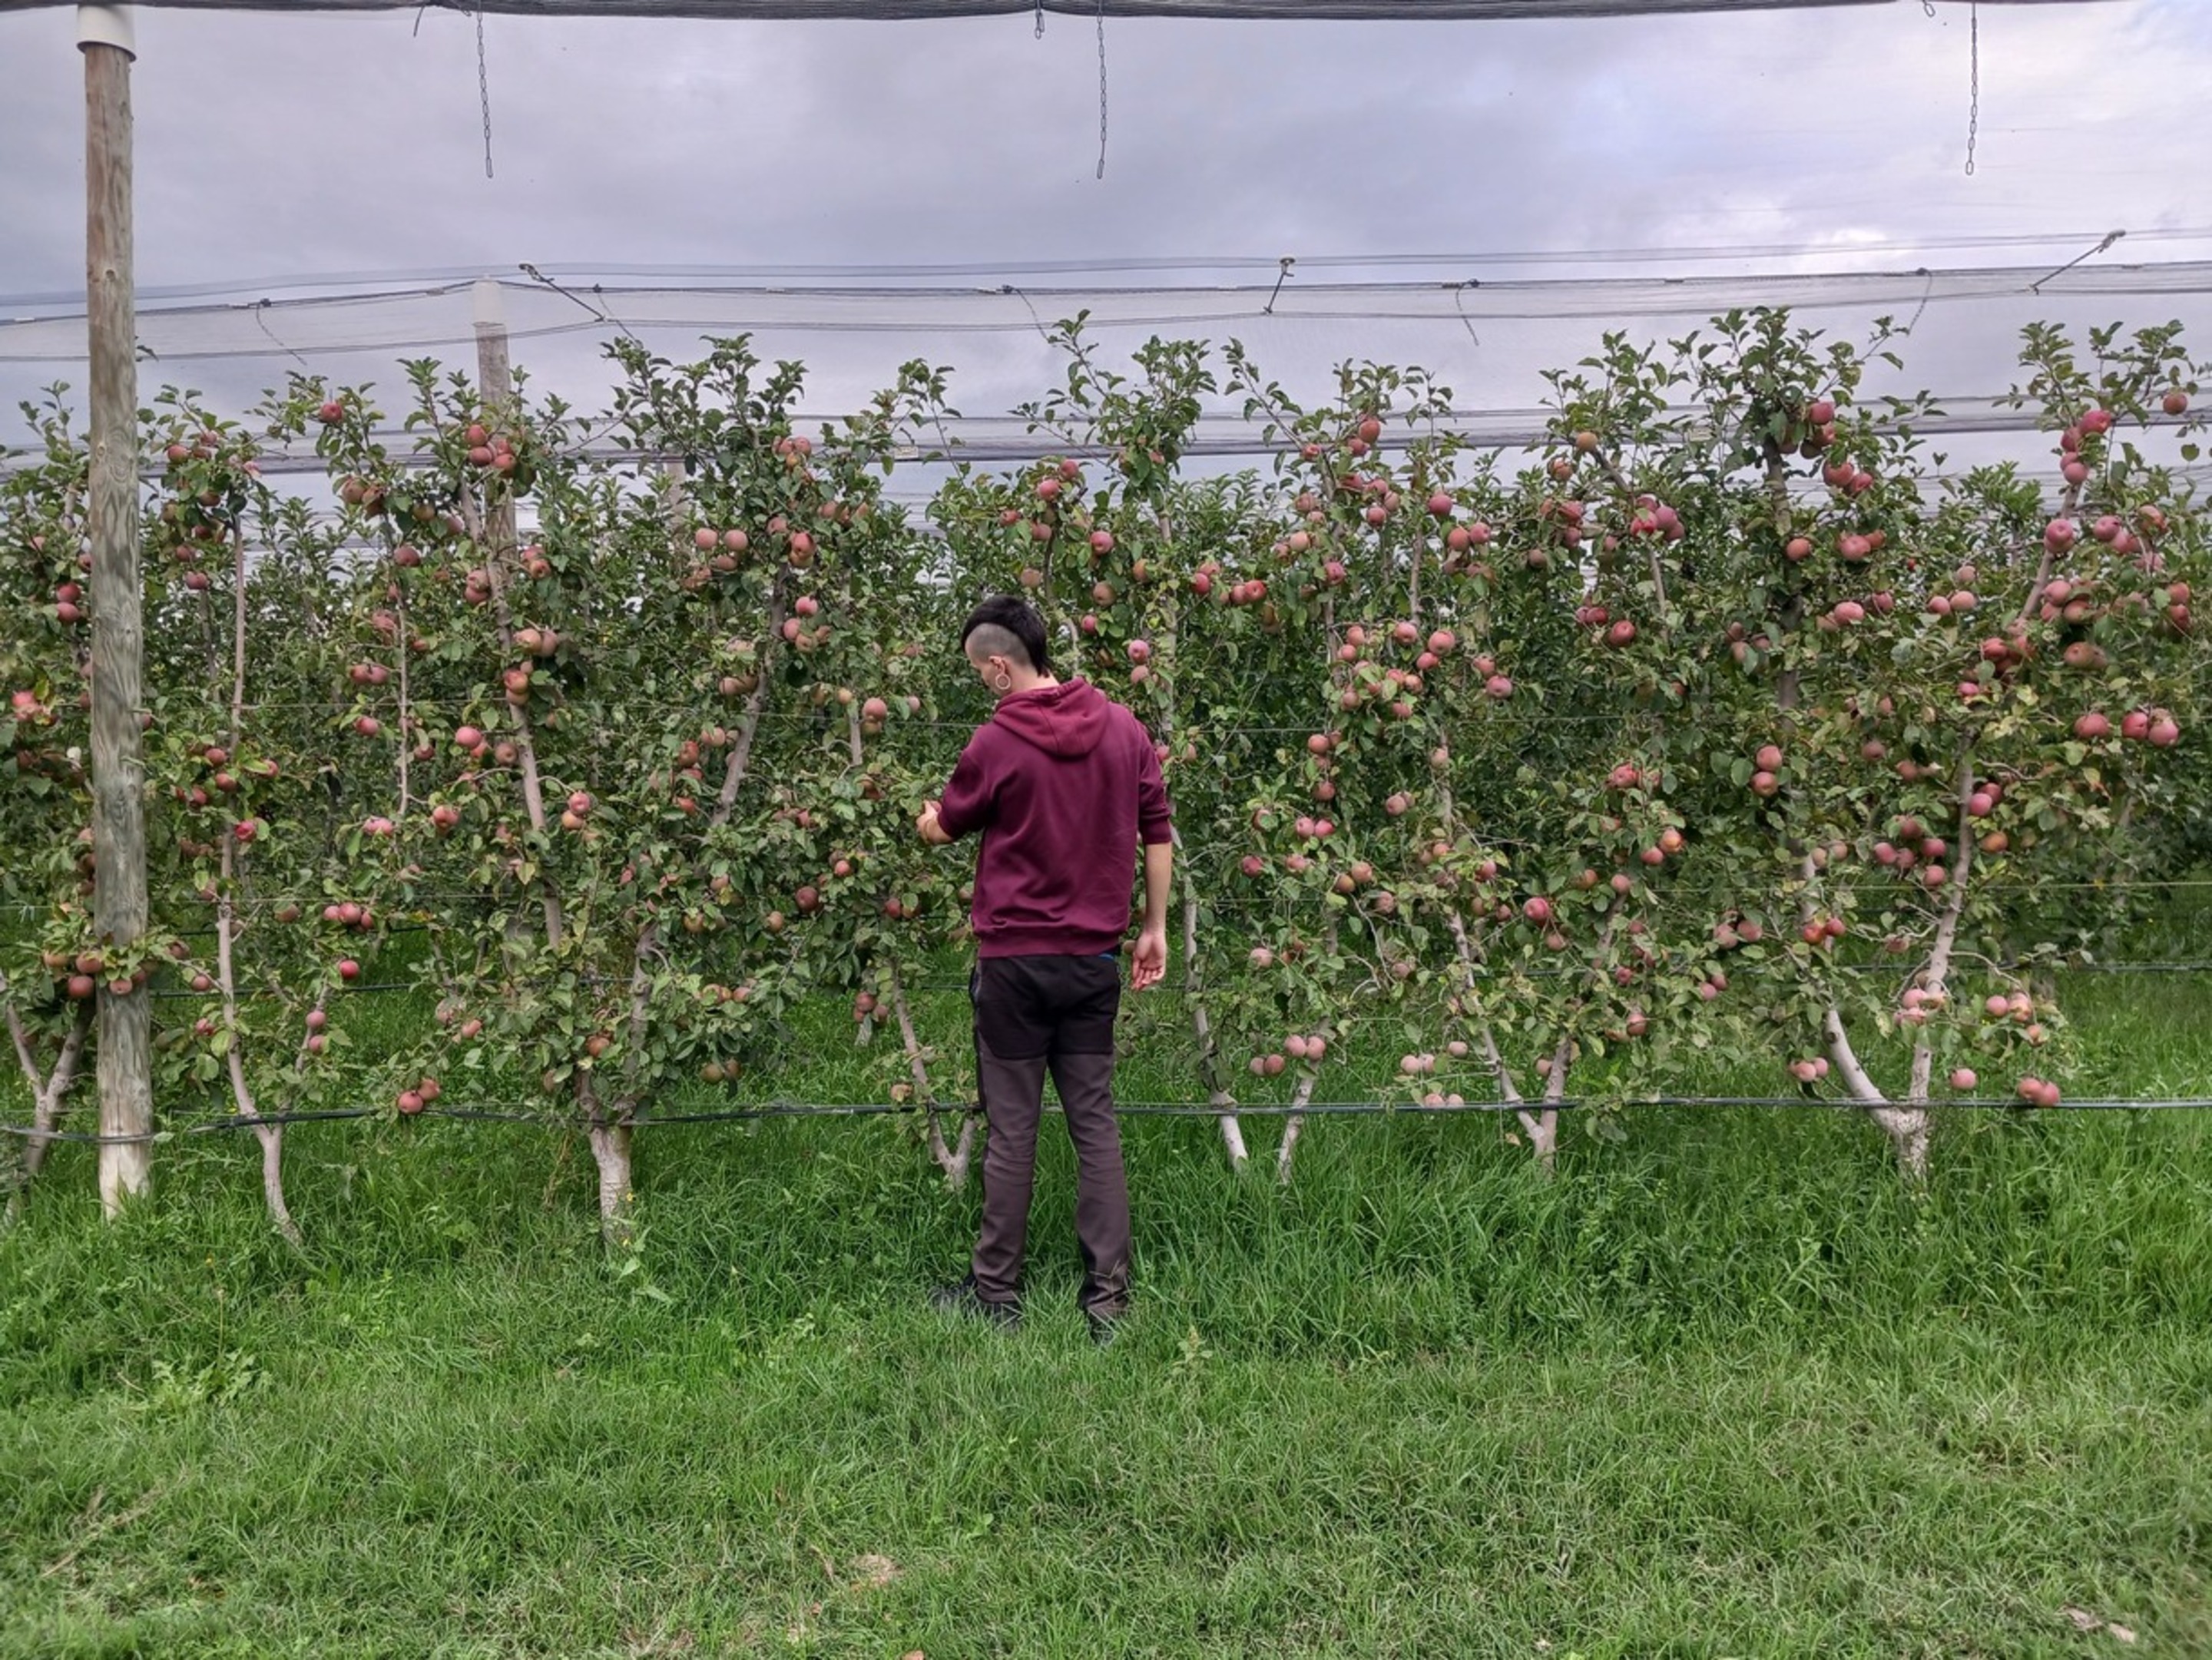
pixel 610 1151
pixel 1293 1127
pixel 951 1160
pixel 48 1090
pixel 1209 1052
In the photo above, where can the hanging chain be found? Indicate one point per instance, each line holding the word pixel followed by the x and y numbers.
pixel 483 87
pixel 1974 94
pixel 1101 89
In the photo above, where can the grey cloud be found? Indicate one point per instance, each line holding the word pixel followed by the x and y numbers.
pixel 320 143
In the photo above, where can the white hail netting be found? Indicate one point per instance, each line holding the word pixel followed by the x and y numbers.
pixel 733 10
pixel 1489 341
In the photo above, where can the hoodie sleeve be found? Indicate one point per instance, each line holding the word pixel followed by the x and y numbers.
pixel 967 803
pixel 1153 812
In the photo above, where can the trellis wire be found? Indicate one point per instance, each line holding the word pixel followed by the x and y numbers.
pixel 499 1115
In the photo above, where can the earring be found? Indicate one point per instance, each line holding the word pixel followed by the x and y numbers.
pixel 1004 684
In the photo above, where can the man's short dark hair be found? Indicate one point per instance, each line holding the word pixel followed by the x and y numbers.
pixel 1016 617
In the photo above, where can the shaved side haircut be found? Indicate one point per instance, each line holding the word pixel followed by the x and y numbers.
pixel 1005 626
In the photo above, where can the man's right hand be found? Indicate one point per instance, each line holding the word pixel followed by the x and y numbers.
pixel 1148 965
pixel 930 830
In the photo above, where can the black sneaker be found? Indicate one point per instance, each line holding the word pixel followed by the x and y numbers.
pixel 960 1299
pixel 1104 1328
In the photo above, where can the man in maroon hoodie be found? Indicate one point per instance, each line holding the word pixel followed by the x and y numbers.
pixel 1064 784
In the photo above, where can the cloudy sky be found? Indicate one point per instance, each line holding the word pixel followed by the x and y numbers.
pixel 295 147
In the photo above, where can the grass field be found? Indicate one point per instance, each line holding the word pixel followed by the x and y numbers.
pixel 1724 1390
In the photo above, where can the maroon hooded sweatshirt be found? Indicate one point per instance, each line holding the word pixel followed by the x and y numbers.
pixel 1064 783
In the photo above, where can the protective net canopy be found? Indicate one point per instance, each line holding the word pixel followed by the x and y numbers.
pixel 1490 342
pixel 740 10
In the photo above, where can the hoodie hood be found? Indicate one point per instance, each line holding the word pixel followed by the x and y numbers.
pixel 1067 720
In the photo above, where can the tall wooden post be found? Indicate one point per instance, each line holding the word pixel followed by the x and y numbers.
pixel 495 388
pixel 118 806
pixel 495 378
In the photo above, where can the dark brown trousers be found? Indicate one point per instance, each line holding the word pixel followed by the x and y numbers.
pixel 1035 1015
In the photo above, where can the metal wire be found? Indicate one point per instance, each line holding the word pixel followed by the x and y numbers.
pixel 551 1120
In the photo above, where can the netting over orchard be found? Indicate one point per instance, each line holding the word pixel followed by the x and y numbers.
pixel 1489 341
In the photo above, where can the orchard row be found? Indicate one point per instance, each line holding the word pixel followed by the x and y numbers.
pixel 1639 753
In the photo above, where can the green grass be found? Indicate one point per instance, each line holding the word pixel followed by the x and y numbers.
pixel 1722 1390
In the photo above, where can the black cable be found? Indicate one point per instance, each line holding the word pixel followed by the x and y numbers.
pixel 1125 1109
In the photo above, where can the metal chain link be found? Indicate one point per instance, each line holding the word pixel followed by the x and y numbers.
pixel 484 87
pixel 1101 89
pixel 1974 94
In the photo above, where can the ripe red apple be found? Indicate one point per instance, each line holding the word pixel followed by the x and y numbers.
pixel 348 970
pixel 2091 726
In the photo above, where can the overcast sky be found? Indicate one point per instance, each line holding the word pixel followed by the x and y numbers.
pixel 293 146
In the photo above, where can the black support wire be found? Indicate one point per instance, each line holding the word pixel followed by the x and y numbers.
pixel 1363 1108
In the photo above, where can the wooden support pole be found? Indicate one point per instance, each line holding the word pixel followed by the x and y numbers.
pixel 495 388
pixel 118 776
